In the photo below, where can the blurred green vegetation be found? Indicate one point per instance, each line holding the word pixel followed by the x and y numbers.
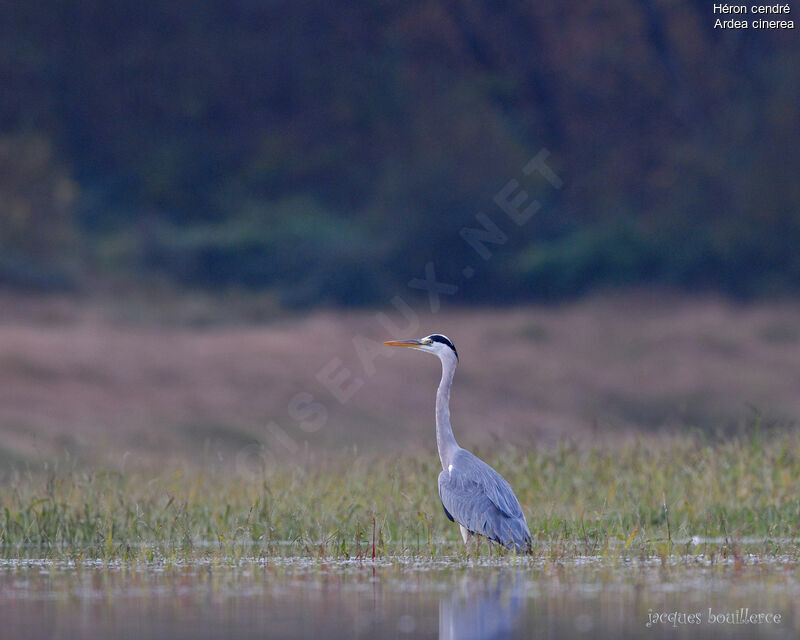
pixel 327 152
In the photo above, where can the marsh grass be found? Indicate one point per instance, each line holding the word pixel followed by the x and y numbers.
pixel 648 497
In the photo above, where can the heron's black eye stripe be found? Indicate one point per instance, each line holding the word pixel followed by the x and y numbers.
pixel 437 337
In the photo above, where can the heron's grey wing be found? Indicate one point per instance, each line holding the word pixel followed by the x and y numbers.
pixel 465 503
pixel 493 484
pixel 477 497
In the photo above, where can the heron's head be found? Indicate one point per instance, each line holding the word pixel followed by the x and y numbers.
pixel 436 343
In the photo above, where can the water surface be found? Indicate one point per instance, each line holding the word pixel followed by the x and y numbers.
pixel 397 598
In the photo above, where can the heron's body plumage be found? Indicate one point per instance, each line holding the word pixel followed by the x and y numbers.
pixel 477 497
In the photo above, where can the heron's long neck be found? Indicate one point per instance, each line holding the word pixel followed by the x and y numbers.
pixel 444 432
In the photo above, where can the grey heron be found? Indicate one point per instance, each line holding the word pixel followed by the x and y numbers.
pixel 473 494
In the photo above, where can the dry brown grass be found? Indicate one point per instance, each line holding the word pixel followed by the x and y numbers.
pixel 83 377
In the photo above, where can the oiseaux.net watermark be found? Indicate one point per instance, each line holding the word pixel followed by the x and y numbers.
pixel 741 617
pixel 512 208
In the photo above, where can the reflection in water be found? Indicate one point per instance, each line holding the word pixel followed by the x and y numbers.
pixel 484 607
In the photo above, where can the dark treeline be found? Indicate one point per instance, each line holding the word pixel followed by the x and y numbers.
pixel 328 151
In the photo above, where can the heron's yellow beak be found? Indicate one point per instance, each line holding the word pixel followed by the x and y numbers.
pixel 403 343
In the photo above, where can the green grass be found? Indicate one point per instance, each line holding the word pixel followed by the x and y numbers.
pixel 646 497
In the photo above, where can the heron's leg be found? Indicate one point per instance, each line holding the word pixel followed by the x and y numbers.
pixel 464 533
